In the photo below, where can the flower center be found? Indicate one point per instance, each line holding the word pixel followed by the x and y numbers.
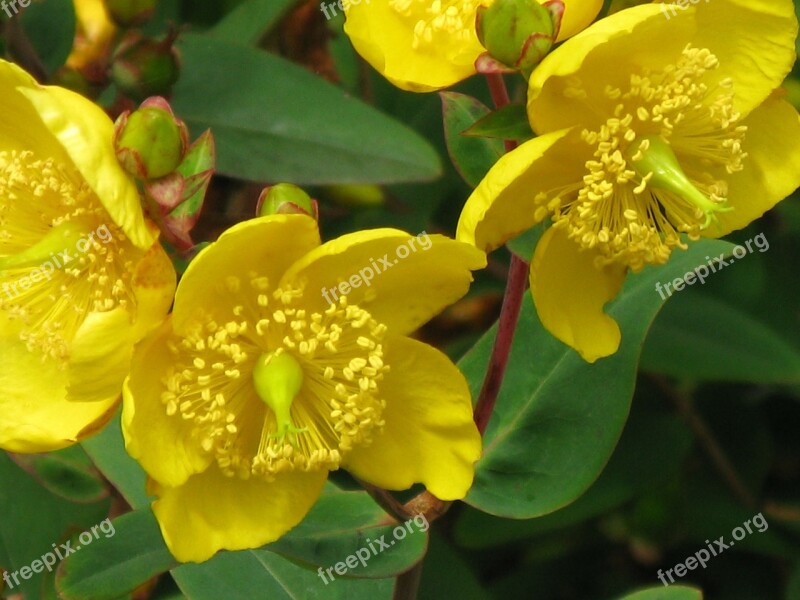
pixel 277 378
pixel 440 22
pixel 660 164
pixel 276 388
pixel 61 257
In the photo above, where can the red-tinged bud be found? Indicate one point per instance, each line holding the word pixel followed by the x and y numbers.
pixel 151 141
pixel 286 198
pixel 517 34
pixel 144 67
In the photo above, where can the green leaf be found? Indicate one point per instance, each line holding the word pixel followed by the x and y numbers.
pixel 558 418
pixel 343 524
pixel 274 121
pixel 67 473
pixel 107 450
pixel 673 592
pixel 248 22
pixel 507 123
pixel 261 574
pixel 114 565
pixel 472 157
pixel 50 27
pixel 33 519
pixel 703 337
pixel 651 450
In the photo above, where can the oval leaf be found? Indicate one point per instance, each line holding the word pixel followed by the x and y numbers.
pixel 274 121
pixel 558 418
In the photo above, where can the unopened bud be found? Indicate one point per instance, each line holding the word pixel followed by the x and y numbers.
pixel 518 34
pixel 285 198
pixel 143 67
pixel 151 141
pixel 127 13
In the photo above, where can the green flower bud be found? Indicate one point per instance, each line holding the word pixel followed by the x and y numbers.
pixel 127 13
pixel 151 141
pixel 285 198
pixel 518 34
pixel 143 67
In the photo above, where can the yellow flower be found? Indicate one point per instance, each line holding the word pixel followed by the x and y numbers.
pixel 257 387
pixel 81 276
pixel 95 32
pixel 426 45
pixel 649 128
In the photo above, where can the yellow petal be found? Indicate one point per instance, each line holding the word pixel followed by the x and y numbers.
pixel 505 202
pixel 569 292
pixel 266 246
pixel 86 133
pixel 95 33
pixel 429 436
pixel 20 125
pixel 100 356
pixel 578 15
pixel 154 287
pixel 385 40
pixel 36 416
pixel 402 280
pixel 211 512
pixel 771 170
pixel 757 57
pixel 162 445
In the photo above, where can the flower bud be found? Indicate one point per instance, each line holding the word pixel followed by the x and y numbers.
pixel 517 34
pixel 128 13
pixel 285 198
pixel 151 141
pixel 143 67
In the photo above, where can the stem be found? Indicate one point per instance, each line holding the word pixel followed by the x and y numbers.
pixel 507 325
pixel 709 442
pixel 407 584
pixel 512 300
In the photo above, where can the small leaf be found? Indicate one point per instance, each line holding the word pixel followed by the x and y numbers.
pixel 507 123
pixel 129 555
pixel 344 524
pixel 50 27
pixel 472 157
pixel 67 473
pixel 32 519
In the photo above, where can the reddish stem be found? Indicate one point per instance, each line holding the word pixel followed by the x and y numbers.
pixel 512 301
pixel 507 324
